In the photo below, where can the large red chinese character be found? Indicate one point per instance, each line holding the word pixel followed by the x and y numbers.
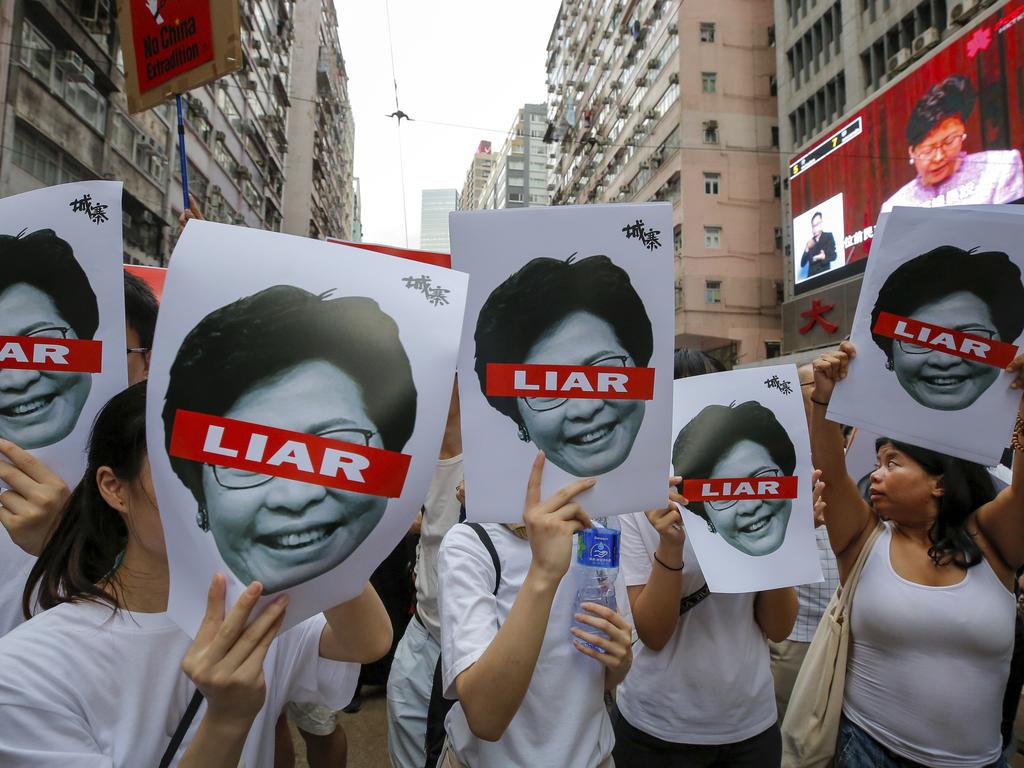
pixel 816 314
pixel 979 41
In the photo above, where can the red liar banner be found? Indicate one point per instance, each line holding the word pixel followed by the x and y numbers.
pixel 35 353
pixel 291 455
pixel 593 382
pixel 977 348
pixel 171 37
pixel 740 488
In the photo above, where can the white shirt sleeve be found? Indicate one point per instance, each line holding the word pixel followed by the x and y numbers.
pixel 634 553
pixel 37 737
pixel 466 603
pixel 301 674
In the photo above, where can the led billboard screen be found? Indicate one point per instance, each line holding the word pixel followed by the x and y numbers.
pixel 948 133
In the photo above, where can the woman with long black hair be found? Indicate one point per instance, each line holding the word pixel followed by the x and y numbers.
pixel 102 677
pixel 933 613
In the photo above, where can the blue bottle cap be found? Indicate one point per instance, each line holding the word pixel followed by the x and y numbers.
pixel 598 547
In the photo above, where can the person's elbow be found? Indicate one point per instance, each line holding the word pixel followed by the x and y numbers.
pixel 483 717
pixel 485 729
pixel 378 644
pixel 654 638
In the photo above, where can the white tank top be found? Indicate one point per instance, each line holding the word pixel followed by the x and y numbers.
pixel 928 665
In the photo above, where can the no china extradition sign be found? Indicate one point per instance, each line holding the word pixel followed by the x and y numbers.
pixel 171 37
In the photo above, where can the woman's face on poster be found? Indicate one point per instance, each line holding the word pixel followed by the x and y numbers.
pixel 584 437
pixel 938 380
pixel 937 157
pixel 284 532
pixel 37 408
pixel 753 526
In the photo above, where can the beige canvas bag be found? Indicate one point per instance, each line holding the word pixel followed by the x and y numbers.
pixel 811 726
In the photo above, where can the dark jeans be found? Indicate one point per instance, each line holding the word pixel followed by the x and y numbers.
pixel 856 749
pixel 636 749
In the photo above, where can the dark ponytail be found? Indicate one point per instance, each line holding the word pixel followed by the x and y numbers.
pixel 84 547
pixel 966 487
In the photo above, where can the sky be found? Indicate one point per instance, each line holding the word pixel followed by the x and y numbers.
pixel 466 63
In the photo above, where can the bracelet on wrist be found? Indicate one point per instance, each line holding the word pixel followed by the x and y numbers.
pixel 822 403
pixel 665 565
pixel 1017 439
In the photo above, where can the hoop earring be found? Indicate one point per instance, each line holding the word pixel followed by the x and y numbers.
pixel 203 518
pixel 524 433
pixel 888 365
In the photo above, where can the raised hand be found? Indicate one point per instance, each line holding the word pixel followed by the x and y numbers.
pixel 31 506
pixel 831 368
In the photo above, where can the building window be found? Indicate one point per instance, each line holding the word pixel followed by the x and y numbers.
pixel 711 183
pixel 677 238
pixel 515 197
pixel 780 292
pixel 777 187
pixel 43 160
pixel 775 135
pixel 707 32
pixel 713 291
pixel 772 349
pixel 778 238
pixel 712 237
pixel 709 82
pixel 711 132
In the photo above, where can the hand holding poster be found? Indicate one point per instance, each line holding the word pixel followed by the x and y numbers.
pixel 567 348
pixel 295 410
pixel 741 446
pixel 941 313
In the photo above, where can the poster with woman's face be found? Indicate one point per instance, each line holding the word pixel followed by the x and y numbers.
pixel 739 441
pixel 62 338
pixel 940 315
pixel 297 396
pixel 566 349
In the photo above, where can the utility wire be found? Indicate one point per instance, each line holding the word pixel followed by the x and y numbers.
pixel 398 114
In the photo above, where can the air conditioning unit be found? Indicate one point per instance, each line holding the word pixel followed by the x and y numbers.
pixel 673 29
pixel 147 143
pixel 250 84
pixel 220 136
pixel 656 157
pixel 70 61
pixel 126 220
pixel 551 88
pixel 645 165
pixel 651 114
pixel 623 111
pixel 926 40
pixel 214 190
pixel 962 11
pixel 652 64
pixel 263 61
pixel 900 60
pixel 255 44
pixel 241 172
pixel 674 78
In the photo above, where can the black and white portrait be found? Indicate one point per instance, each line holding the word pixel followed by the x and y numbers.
pixel 573 303
pixel 741 441
pixel 44 294
pixel 568 312
pixel 287 358
pixel 985 300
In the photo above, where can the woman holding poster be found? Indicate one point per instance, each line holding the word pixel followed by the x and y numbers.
pixel 933 613
pixel 102 580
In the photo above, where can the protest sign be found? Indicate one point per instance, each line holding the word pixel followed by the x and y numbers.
pixel 295 409
pixel 941 313
pixel 152 276
pixel 172 46
pixel 566 348
pixel 740 443
pixel 427 257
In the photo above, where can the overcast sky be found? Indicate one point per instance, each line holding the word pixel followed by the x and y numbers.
pixel 463 62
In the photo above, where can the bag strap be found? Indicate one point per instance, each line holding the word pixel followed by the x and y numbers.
pixel 691 600
pixel 485 539
pixel 845 596
pixel 182 729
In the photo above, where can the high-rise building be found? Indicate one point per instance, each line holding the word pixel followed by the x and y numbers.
pixel 476 177
pixel 357 212
pixel 850 73
pixel 436 205
pixel 661 100
pixel 519 173
pixel 318 186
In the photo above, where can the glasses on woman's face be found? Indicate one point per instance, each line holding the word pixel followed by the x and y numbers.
pixel 235 479
pixel 541 404
pixel 724 504
pixel 916 349
pixel 51 332
pixel 927 151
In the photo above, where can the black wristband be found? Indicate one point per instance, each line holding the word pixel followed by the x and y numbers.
pixel 818 402
pixel 664 565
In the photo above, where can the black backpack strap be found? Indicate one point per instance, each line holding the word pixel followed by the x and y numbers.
pixel 485 539
pixel 182 729
pixel 692 599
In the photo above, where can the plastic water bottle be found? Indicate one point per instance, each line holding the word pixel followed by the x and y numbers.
pixel 597 563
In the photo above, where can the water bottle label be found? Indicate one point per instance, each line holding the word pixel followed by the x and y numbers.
pixel 598 548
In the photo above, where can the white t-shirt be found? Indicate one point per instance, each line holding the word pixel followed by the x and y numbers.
pixel 83 687
pixel 442 512
pixel 712 682
pixel 15 564
pixel 562 720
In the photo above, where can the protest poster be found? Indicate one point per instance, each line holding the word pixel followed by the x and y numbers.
pixel 295 410
pixel 152 276
pixel 740 443
pixel 566 348
pixel 172 46
pixel 62 335
pixel 940 315
pixel 427 257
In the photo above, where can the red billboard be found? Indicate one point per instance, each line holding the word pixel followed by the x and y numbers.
pixel 947 133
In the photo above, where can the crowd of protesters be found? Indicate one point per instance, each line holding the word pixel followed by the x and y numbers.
pixel 94 673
